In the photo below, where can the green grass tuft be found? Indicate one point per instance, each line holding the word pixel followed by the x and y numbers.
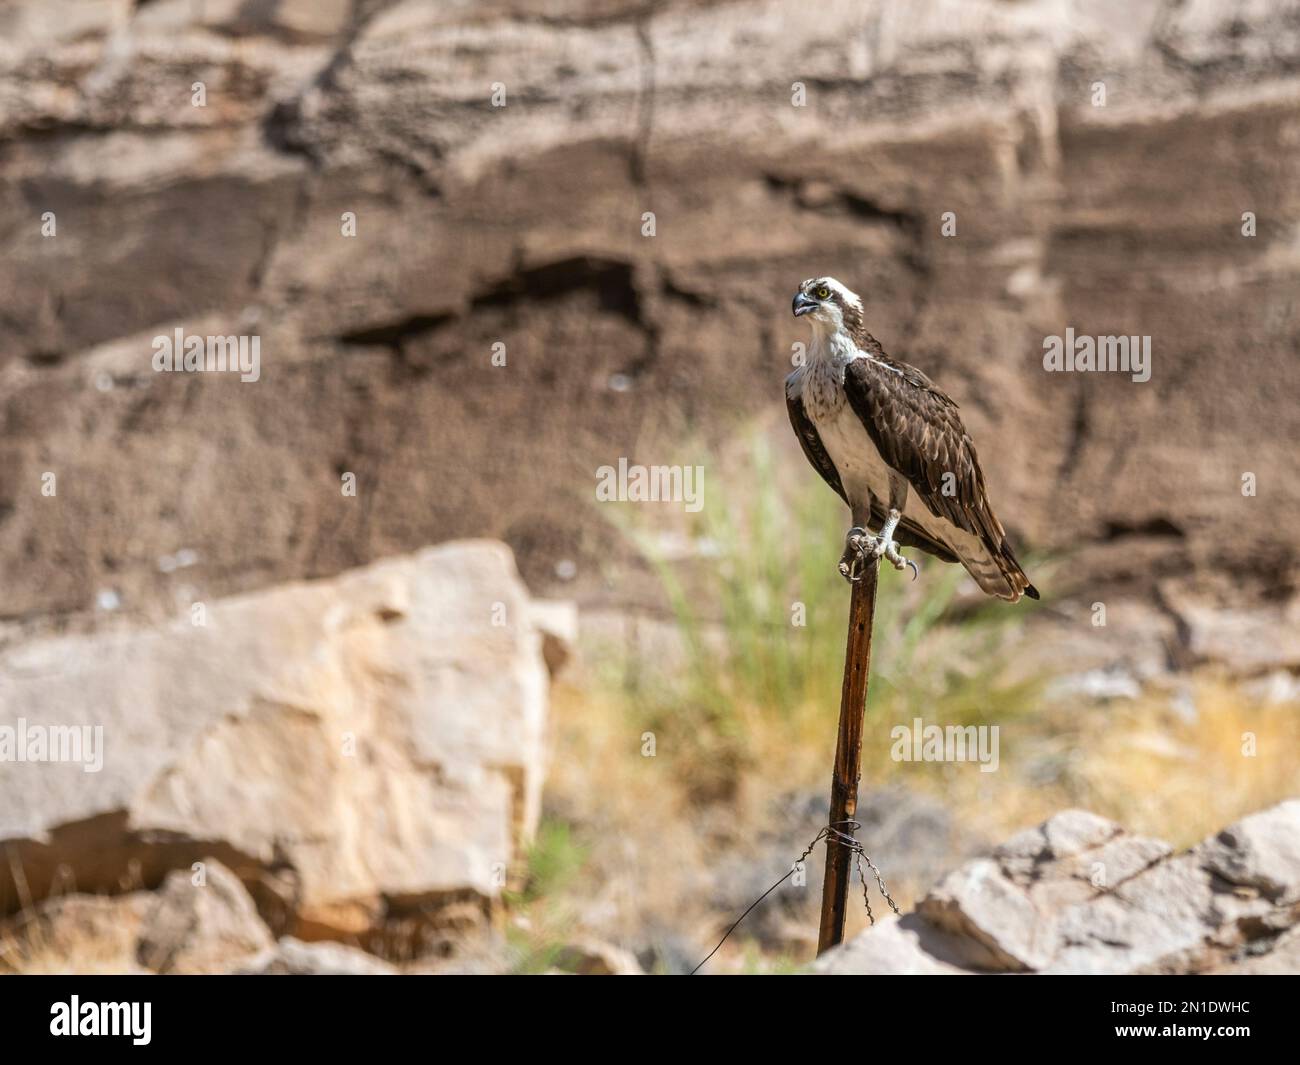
pixel 761 610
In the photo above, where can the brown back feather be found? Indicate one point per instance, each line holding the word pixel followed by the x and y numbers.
pixel 919 433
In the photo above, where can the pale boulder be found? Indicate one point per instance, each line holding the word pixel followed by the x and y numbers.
pixel 374 743
pixel 1078 894
pixel 200 921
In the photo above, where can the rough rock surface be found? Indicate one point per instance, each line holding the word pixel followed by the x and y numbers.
pixel 1078 894
pixel 522 225
pixel 185 927
pixel 358 751
pixel 292 957
pixel 201 922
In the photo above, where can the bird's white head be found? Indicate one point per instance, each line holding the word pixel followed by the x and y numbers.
pixel 829 306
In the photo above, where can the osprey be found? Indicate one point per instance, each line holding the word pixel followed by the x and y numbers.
pixel 874 427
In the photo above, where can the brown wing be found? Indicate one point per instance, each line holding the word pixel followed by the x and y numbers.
pixel 909 534
pixel 919 433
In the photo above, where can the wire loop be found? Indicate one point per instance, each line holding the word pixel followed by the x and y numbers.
pixel 844 837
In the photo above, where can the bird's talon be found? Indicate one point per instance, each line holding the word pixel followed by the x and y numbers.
pixel 859 546
pixel 900 561
pixel 861 549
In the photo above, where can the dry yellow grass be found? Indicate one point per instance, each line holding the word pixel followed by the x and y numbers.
pixel 1183 776
pixel 88 935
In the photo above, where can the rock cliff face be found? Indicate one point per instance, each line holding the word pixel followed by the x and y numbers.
pixel 1078 894
pixel 522 225
pixel 365 753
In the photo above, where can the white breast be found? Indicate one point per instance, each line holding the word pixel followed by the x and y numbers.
pixel 862 471
pixel 820 384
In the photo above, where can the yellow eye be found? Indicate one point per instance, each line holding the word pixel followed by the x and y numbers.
pixel 822 292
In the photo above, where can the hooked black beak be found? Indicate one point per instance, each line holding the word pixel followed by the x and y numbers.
pixel 802 304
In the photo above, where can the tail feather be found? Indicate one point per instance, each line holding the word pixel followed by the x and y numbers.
pixel 999 574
